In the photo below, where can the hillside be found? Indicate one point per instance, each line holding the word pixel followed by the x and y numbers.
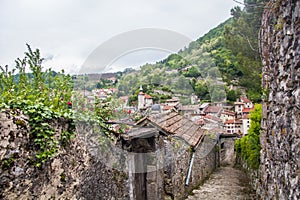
pixel 219 65
pixel 207 68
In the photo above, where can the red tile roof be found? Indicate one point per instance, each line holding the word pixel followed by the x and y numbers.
pixel 213 118
pixel 247 110
pixel 245 99
pixel 233 121
pixel 147 96
pixel 228 112
pixel 168 107
pixel 213 109
pixel 174 124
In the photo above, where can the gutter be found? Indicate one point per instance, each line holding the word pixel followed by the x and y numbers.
pixel 187 180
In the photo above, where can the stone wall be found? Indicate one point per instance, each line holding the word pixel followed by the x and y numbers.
pixel 85 169
pixel 280 139
pixel 72 174
pixel 227 156
pixel 204 163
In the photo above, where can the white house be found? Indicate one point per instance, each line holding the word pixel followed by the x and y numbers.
pixel 233 126
pixel 227 115
pixel 246 124
pixel 242 103
pixel 144 100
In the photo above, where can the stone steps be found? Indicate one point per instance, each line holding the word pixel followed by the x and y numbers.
pixel 225 183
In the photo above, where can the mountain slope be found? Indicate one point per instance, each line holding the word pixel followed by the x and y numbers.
pixel 198 69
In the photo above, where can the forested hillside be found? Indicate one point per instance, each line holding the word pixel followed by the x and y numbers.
pixel 227 53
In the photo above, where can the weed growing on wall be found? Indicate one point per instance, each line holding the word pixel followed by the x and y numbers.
pixel 42 95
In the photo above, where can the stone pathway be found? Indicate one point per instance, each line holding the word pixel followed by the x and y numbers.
pixel 225 183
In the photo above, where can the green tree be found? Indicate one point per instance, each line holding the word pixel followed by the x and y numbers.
pixel 201 90
pixel 192 72
pixel 241 37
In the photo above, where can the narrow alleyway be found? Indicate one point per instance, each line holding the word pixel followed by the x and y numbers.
pixel 226 183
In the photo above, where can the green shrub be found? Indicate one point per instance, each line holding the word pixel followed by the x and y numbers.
pixel 248 147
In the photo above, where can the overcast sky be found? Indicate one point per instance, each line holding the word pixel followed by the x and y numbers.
pixel 67 31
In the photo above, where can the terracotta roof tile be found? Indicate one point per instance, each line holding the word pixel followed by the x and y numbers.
pixel 228 112
pixel 213 109
pixel 245 99
pixel 233 121
pixel 247 110
pixel 213 118
pixel 168 107
pixel 175 124
pixel 147 96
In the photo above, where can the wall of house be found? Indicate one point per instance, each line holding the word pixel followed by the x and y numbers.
pixel 74 173
pixel 280 139
pixel 227 153
pixel 206 161
pixel 179 158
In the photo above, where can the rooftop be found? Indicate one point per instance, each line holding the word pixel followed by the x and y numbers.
pixel 173 123
pixel 213 109
pixel 228 112
pixel 245 99
pixel 147 96
pixel 233 121
pixel 247 110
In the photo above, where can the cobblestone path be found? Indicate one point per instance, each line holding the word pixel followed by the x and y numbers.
pixel 225 183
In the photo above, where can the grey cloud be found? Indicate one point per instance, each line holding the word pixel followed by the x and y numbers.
pixel 74 28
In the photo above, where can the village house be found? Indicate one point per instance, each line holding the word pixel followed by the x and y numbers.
pixel 188 110
pixel 174 102
pixel 144 100
pixel 246 124
pixel 238 107
pixel 213 110
pixel 233 126
pixel 212 122
pixel 166 108
pixel 203 107
pixel 241 103
pixel 194 99
pixel 227 115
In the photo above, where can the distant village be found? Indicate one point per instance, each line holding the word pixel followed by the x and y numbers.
pixel 227 119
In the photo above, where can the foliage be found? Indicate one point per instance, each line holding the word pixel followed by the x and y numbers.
pixel 45 95
pixel 248 147
pixel 225 52
pixel 232 95
pixel 241 38
pixel 41 95
pixel 192 72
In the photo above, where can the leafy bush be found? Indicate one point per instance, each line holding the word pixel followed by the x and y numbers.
pixel 248 147
pixel 43 95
